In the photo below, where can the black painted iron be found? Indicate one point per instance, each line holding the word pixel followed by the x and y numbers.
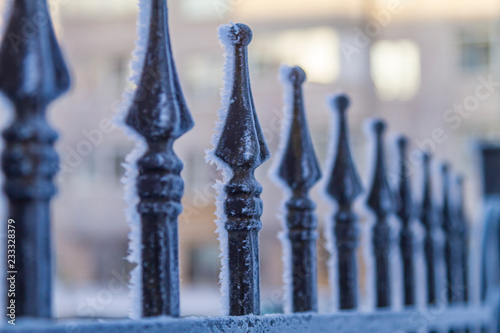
pixel 463 234
pixel 242 147
pixel 160 115
pixel 453 244
pixel 32 75
pixel 299 169
pixel 381 202
pixel 463 231
pixel 405 209
pixel 428 219
pixel 344 186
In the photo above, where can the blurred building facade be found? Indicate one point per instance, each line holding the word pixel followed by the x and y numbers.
pixel 430 68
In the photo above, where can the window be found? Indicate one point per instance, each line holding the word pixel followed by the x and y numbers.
pixel 203 74
pixel 96 8
pixel 204 263
pixel 475 50
pixel 395 69
pixel 316 50
pixel 199 10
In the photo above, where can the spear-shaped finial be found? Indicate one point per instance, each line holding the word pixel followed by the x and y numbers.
pixel 381 202
pixel 299 169
pixel 159 114
pixel 428 220
pixel 299 166
pixel 405 213
pixel 453 244
pixel 32 68
pixel 32 74
pixel 241 146
pixel 344 186
pixel 241 142
pixel 158 110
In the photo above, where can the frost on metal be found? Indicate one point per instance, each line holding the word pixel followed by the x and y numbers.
pixel 239 148
pixel 298 171
pixel 158 115
pixel 344 186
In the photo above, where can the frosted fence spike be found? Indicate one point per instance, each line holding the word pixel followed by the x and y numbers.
pixel 32 74
pixel 159 114
pixel 404 212
pixel 344 186
pixel 381 202
pixel 242 147
pixel 463 230
pixel 428 220
pixel 453 244
pixel 299 169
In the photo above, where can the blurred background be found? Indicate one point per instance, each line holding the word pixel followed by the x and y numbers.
pixel 428 67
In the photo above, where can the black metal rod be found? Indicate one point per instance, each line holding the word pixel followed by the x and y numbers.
pixel 159 186
pixel 32 75
pixel 463 234
pixel 405 215
pixel 381 202
pixel 428 219
pixel 299 170
pixel 242 147
pixel 463 229
pixel 452 245
pixel 344 187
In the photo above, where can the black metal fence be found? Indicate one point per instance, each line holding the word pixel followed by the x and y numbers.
pixel 33 73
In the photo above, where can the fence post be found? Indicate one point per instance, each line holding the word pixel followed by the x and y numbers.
pixel 490 256
pixel 159 114
pixel 405 214
pixel 344 186
pixel 381 202
pixel 463 237
pixel 241 147
pixel 32 74
pixel 453 246
pixel 463 231
pixel 428 220
pixel 299 169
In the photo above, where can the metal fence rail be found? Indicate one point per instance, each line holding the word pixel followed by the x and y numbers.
pixel 33 73
pixel 382 321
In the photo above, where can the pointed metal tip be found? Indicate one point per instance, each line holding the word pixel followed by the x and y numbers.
pixel 340 102
pixel 241 142
pixel 299 166
pixel 31 62
pixel 158 108
pixel 426 157
pixel 296 76
pixel 378 126
pixel 240 34
pixel 344 184
pixel 445 168
pixel 402 142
